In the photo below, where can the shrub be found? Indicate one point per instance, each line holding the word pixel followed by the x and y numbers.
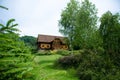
pixel 63 52
pixel 15 58
pixel 68 61
pixel 71 60
pixel 42 52
pixel 97 67
pixel 90 66
pixel 53 51
pixel 87 75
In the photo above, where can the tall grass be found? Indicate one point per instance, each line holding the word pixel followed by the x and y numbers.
pixel 46 71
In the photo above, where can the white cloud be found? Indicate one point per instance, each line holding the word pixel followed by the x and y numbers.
pixel 105 5
pixel 41 16
pixel 44 18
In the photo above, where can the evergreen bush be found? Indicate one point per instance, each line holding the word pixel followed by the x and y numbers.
pixel 15 58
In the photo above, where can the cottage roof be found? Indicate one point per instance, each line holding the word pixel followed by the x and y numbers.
pixel 48 38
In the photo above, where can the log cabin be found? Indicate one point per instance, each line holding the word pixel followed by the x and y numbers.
pixel 49 42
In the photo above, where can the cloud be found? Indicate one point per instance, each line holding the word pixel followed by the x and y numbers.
pixel 105 5
pixel 41 16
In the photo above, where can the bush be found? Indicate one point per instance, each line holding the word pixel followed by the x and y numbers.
pixel 74 59
pixel 42 52
pixel 53 51
pixel 63 52
pixel 90 66
pixel 68 61
pixel 97 67
pixel 87 75
pixel 15 58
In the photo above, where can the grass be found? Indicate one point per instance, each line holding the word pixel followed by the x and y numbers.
pixel 44 69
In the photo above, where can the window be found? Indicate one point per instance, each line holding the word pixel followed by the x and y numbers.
pixel 64 47
pixel 42 46
pixel 48 45
pixel 45 45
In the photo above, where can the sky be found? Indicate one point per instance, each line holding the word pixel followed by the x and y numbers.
pixel 41 16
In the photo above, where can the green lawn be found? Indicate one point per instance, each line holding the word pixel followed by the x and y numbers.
pixel 44 69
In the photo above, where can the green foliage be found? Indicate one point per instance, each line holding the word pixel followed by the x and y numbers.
pixel 30 42
pixel 67 21
pixel 9 27
pixel 85 31
pixel 54 52
pixel 79 23
pixel 97 67
pixel 100 59
pixel 40 52
pixel 67 62
pixel 63 52
pixel 90 66
pixel 3 7
pixel 44 69
pixel 71 60
pixel 110 33
pixel 11 43
pixel 15 57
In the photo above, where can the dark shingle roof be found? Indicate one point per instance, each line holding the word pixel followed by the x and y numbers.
pixel 48 38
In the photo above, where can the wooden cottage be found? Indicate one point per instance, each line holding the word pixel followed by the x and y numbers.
pixel 48 42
